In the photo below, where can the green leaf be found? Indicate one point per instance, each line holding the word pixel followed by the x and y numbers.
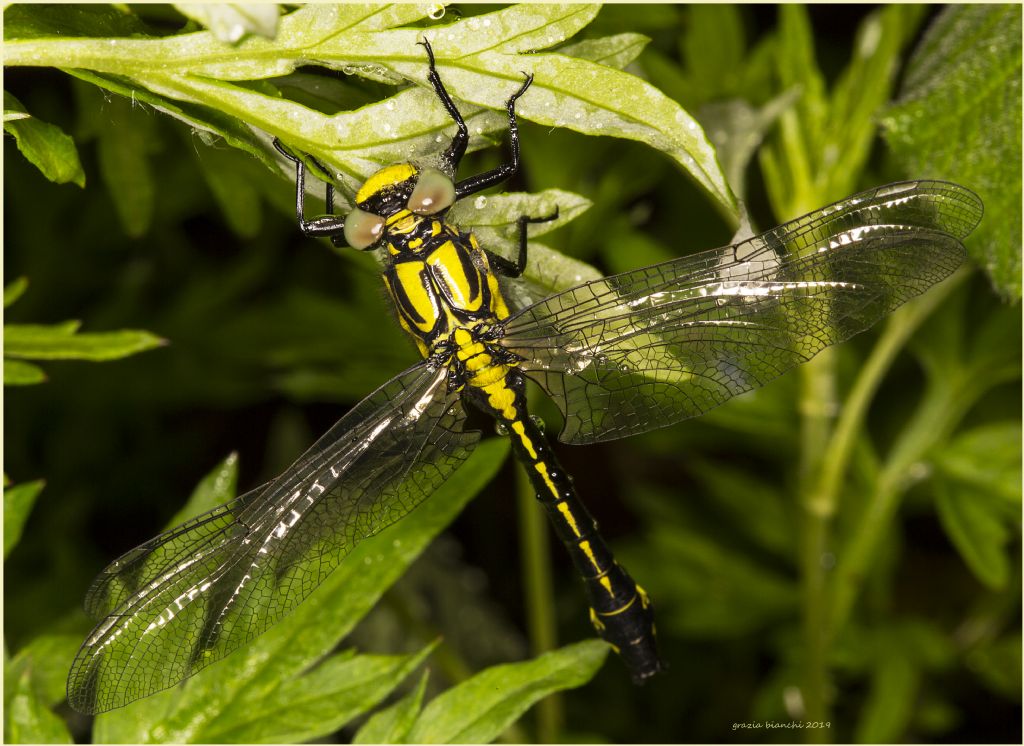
pixel 737 129
pixel 822 143
pixel 596 100
pixel 614 51
pixel 748 593
pixel 46 659
pixel 227 172
pixel 713 48
pixel 860 93
pixel 231 21
pixel 479 59
pixel 31 21
pixel 958 117
pixel 987 459
pixel 59 342
pixel 322 701
pixel 205 120
pixel 15 290
pixel 890 702
pixel 27 719
pixel 788 160
pixel 998 664
pixel 392 724
pixel 18 502
pixel 44 145
pixel 20 373
pixel 125 140
pixel 754 505
pixel 482 708
pixel 975 526
pixel 216 488
pixel 225 695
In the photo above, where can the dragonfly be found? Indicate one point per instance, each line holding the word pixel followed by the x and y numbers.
pixel 619 356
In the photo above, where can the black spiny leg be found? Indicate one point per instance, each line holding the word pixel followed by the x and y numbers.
pixel 474 184
pixel 453 155
pixel 516 268
pixel 329 225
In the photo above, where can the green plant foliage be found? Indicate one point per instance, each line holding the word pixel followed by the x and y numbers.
pixel 392 724
pixel 193 68
pixel 822 142
pixel 61 342
pixel 45 660
pixel 18 502
pixel 231 21
pixel 28 720
pixel 956 101
pixel 49 149
pixel 216 488
pixel 243 698
pixel 480 709
pixel 841 546
pixel 14 291
pixel 979 498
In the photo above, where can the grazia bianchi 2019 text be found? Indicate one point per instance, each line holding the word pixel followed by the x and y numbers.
pixel 781 724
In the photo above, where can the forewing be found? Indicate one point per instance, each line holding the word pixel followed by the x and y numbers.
pixel 647 348
pixel 197 592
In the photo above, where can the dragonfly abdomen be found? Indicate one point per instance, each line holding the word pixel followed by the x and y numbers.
pixel 619 609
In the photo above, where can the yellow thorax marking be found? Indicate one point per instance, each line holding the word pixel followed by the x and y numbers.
pixel 384 178
pixel 447 260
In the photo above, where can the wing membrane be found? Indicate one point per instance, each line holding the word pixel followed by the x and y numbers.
pixel 647 348
pixel 197 592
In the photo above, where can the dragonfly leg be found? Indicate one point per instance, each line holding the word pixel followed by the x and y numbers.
pixel 453 155
pixel 329 225
pixel 477 183
pixel 516 268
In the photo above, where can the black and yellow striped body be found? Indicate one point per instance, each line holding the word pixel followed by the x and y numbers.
pixel 439 279
pixel 446 295
pixel 619 608
pixel 448 298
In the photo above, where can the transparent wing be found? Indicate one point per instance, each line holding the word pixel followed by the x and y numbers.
pixel 199 591
pixel 647 348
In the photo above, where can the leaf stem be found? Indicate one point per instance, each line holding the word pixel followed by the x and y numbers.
pixel 825 497
pixel 817 407
pixel 822 470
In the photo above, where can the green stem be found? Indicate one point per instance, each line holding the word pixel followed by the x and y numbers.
pixel 936 414
pixel 824 500
pixel 539 594
pixel 822 471
pixel 817 405
pixel 942 407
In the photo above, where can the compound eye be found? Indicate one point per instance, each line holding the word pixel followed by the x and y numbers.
pixel 363 229
pixel 434 192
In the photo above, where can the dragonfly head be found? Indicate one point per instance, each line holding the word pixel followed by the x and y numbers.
pixel 403 186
